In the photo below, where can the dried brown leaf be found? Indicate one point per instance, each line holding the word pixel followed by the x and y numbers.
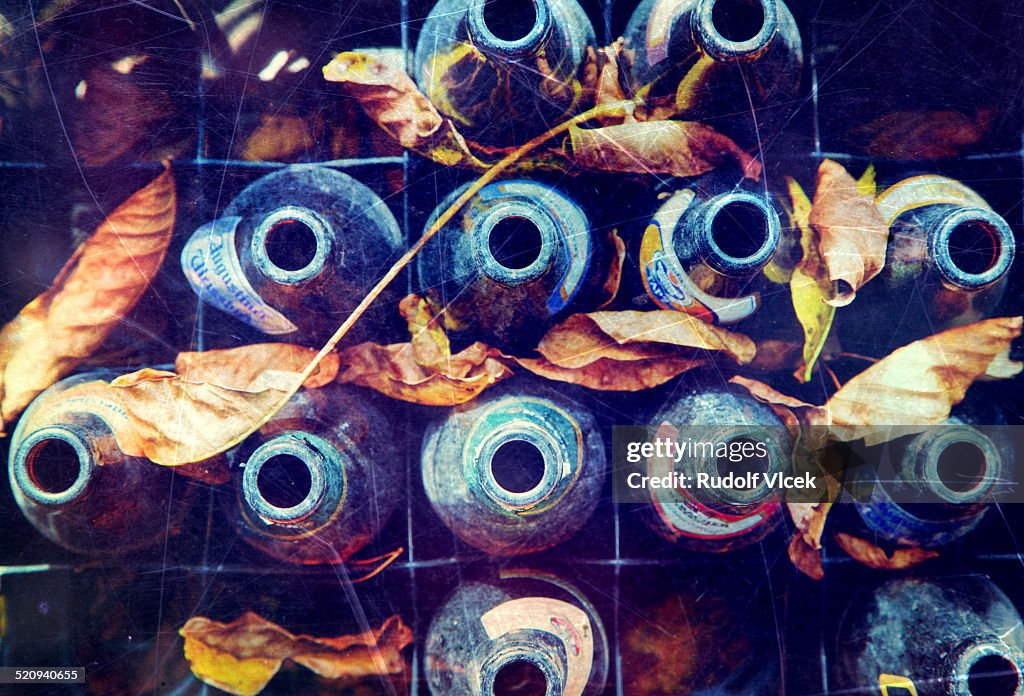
pixel 278 138
pixel 256 367
pixel 617 374
pixel 390 97
pixel 805 546
pixel 792 411
pixel 424 371
pixel 96 289
pixel 852 233
pixel 924 135
pixel 610 289
pixel 242 657
pixel 865 552
pixel 171 420
pixel 678 148
pixel 631 335
pixel 918 384
pixel 631 351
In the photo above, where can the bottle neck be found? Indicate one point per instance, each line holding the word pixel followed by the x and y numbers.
pixel 971 248
pixel 510 29
pixel 735 234
pixel 291 245
pixel 737 453
pixel 53 465
pixel 523 455
pixel 524 662
pixel 295 479
pixel 734 30
pixel 957 464
pixel 985 666
pixel 515 241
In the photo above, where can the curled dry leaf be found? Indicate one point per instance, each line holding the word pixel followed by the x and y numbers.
pixel 94 291
pixel 423 371
pixel 918 384
pixel 852 232
pixel 256 367
pixel 610 289
pixel 872 556
pixel 242 657
pixel 630 351
pixel 679 148
pixel 924 135
pixel 805 546
pixel 390 97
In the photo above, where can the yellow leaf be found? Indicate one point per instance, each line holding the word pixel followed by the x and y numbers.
pixel 866 184
pixel 809 285
pixel 241 657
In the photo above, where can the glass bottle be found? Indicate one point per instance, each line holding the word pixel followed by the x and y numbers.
pixel 704 250
pixel 516 471
pixel 733 64
pixel 76 486
pixel 525 633
pixel 319 481
pixel 503 70
pixel 956 636
pixel 706 510
pixel 294 253
pixel 933 488
pixel 509 263
pixel 946 265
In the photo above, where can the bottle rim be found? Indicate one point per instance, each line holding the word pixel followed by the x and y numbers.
pixel 925 455
pixel 23 460
pixel 310 221
pixel 482 36
pixel 716 254
pixel 533 214
pixel 711 40
pixel 974 220
pixel 314 452
pixel 965 658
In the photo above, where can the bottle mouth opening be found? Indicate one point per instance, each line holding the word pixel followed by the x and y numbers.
pixel 741 234
pixel 518 466
pixel 520 677
pixel 974 248
pixel 52 466
pixel 284 480
pixel 735 29
pixel 515 242
pixel 291 245
pixel 510 27
pixel 962 467
pixel 753 467
pixel 993 675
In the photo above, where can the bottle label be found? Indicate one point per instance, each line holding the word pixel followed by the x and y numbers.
pixel 659 30
pixel 668 283
pixel 211 265
pixel 568 623
pixel 894 685
pixel 887 518
pixel 928 189
pixel 573 230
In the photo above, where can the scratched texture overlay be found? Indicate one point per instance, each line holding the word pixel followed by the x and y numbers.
pixel 233 93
